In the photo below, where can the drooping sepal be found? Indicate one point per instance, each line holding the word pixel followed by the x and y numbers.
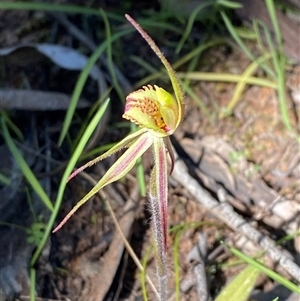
pixel 118 170
pixel 125 143
pixel 159 190
pixel 158 196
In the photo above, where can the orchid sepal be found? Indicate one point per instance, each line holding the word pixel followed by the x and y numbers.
pixel 179 96
pixel 158 197
pixel 120 145
pixel 159 185
pixel 118 170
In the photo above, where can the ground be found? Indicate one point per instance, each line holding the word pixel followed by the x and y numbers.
pixel 247 159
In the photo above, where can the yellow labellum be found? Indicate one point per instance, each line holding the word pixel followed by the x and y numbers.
pixel 154 108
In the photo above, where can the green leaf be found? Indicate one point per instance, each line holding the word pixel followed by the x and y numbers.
pixel 27 172
pixel 76 154
pixel 229 4
pixel 241 286
pixel 272 274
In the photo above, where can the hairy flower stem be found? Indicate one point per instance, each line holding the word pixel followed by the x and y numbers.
pixel 159 201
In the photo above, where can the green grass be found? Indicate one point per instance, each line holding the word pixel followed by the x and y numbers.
pixel 27 172
pixel 276 70
pixel 33 181
pixel 263 269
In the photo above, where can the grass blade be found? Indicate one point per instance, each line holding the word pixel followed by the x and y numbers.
pixel 242 83
pixel 242 45
pixel 272 274
pixel 81 82
pixel 190 24
pixel 240 288
pixel 111 69
pixel 92 125
pixel 227 77
pixel 27 172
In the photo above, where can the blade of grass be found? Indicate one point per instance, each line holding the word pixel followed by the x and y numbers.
pixel 27 172
pixel 279 64
pixel 161 25
pixel 29 201
pixel 273 16
pixel 13 127
pixel 272 274
pixel 198 101
pixel 141 62
pixel 242 84
pixel 143 274
pixel 95 152
pixel 239 289
pixel 32 284
pixel 87 119
pixel 192 18
pixel 74 9
pixel 242 45
pixel 53 7
pixel 196 51
pixel 111 68
pixel 176 264
pixel 162 15
pixel 13 226
pixel 259 41
pixel 190 24
pixel 73 160
pixel 226 77
pixel 246 33
pixel 236 36
pixel 288 237
pixel 229 4
pixel 81 82
pixel 140 174
pixel 151 78
pixel 192 66
pixel 4 179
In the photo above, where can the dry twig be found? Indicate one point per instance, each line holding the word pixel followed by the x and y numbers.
pixel 225 213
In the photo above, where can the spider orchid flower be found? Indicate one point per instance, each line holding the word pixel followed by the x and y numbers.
pixel 158 114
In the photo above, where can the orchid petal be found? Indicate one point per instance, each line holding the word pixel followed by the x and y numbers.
pixel 122 144
pixel 118 170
